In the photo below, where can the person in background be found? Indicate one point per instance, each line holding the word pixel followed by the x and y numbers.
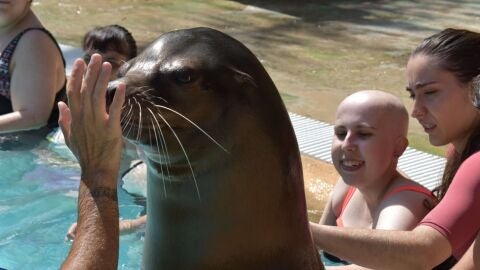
pixel 442 77
pixel 32 70
pixel 370 135
pixel 116 45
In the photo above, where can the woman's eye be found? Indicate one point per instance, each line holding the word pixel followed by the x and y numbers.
pixel 364 135
pixel 115 64
pixel 340 135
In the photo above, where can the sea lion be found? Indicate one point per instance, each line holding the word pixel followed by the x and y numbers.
pixel 225 186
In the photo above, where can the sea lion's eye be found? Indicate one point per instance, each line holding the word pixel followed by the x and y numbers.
pixel 184 76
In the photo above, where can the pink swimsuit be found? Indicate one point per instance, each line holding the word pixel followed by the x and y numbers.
pixel 352 190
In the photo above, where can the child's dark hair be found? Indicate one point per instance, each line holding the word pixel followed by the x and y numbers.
pixel 110 37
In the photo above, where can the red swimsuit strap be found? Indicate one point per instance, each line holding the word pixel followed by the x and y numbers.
pixel 351 191
pixel 346 199
pixel 418 189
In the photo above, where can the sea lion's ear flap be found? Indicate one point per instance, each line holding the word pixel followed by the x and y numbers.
pixel 243 78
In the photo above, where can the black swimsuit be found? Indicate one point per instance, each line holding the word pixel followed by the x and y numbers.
pixel 5 76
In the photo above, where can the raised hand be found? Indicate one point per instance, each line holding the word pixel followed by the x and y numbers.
pixel 92 133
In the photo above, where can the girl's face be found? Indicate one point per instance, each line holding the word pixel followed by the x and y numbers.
pixel 363 148
pixel 13 11
pixel 115 58
pixel 442 104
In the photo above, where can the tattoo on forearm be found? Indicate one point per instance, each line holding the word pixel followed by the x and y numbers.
pixel 104 192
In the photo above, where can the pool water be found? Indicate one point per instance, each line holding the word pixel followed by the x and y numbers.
pixel 38 204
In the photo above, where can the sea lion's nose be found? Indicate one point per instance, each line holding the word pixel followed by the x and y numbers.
pixel 111 88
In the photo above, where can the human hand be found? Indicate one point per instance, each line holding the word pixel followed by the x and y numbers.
pixel 71 232
pixel 131 225
pixel 125 226
pixel 92 134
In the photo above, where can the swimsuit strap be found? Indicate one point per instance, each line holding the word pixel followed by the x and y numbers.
pixel 418 189
pixel 48 34
pixel 7 54
pixel 8 51
pixel 347 198
pixel 345 202
pixel 351 191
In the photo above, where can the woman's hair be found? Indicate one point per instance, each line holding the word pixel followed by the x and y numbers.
pixel 110 37
pixel 456 51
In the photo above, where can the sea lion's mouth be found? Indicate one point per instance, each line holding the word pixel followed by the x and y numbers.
pixel 110 94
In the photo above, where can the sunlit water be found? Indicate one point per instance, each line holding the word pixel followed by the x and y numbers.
pixel 38 204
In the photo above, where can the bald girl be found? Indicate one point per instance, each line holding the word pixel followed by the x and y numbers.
pixel 370 135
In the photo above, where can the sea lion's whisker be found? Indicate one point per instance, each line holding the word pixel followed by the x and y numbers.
pixel 139 128
pixel 163 142
pixel 145 89
pixel 127 114
pixel 124 125
pixel 184 152
pixel 167 156
pixel 152 96
pixel 158 149
pixel 125 121
pixel 129 123
pixel 126 104
pixel 124 113
pixel 191 122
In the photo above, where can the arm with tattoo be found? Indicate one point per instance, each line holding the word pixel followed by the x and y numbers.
pixel 94 136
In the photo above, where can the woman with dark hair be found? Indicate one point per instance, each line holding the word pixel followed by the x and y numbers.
pixel 114 43
pixel 32 70
pixel 442 73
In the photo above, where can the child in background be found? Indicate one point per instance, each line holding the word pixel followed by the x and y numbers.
pixel 116 45
pixel 370 135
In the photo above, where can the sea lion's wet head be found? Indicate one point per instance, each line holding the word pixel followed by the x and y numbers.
pixel 197 74
pixel 224 171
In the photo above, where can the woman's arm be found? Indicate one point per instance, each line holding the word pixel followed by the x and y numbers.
pixel 403 211
pixel 334 203
pixel 422 248
pixel 130 225
pixel 125 226
pixel 471 259
pixel 34 81
pixel 95 138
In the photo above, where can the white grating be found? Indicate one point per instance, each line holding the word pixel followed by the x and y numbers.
pixel 315 138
